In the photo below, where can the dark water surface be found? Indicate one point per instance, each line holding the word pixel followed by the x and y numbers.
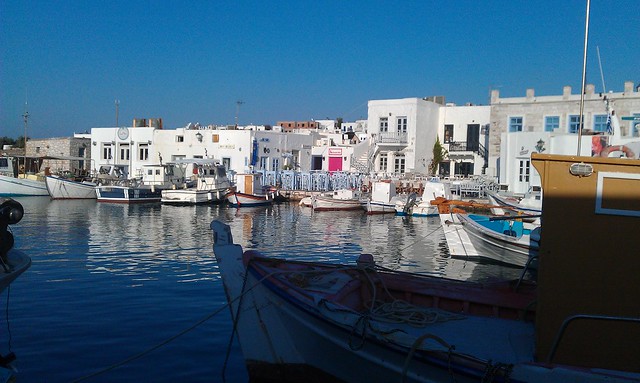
pixel 109 282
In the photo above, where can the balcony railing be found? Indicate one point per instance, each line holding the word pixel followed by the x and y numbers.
pixel 463 146
pixel 392 138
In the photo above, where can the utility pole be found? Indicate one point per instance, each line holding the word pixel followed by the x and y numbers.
pixel 238 103
pixel 117 105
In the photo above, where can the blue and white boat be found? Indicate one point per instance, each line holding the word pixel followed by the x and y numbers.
pixel 147 188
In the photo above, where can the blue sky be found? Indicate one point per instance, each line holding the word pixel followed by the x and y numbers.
pixel 191 61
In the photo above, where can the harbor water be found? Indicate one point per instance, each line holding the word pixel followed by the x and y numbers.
pixel 132 293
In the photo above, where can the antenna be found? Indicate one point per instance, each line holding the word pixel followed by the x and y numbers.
pixel 604 88
pixel 238 103
pixel 117 105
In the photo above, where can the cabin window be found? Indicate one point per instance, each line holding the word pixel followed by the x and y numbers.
pixel 179 138
pixel 402 124
pixel 515 124
pixel 551 123
pixel 384 124
pixel 574 123
pixel 384 161
pixel 448 133
pixel 523 174
pixel 600 123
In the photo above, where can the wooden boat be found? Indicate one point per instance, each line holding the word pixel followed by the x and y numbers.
pixel 15 184
pixel 65 188
pixel 212 185
pixel 359 322
pixel 343 199
pixel 383 198
pixel 530 204
pixel 249 191
pixel 502 239
pixel 148 188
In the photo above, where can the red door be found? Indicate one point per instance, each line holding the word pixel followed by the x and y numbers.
pixel 335 164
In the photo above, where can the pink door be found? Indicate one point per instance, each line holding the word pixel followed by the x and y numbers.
pixel 335 164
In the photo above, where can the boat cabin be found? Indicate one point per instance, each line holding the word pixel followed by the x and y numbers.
pixel 249 183
pixel 162 175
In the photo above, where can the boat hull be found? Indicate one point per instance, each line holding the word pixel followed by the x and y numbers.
pixel 193 196
pixel 323 203
pixel 61 188
pixel 22 187
pixel 238 199
pixel 125 194
pixel 497 246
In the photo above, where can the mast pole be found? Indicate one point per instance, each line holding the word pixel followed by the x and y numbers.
pixel 25 116
pixel 584 76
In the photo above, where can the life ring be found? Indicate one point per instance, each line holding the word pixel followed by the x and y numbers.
pixel 617 148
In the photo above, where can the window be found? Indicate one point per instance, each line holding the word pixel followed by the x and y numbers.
pixel 515 124
pixel 275 164
pixel 574 123
pixel 635 130
pixel 124 152
pixel 264 162
pixel 143 152
pixel 384 160
pixel 448 133
pixel 37 149
pixel 402 124
pixel 384 124
pixel 215 138
pixel 551 123
pixel 106 152
pixel 179 138
pixel 399 164
pixel 600 123
pixel 523 175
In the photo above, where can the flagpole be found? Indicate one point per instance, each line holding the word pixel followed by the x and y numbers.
pixel 584 76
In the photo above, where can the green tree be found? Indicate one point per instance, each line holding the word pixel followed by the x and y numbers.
pixel 7 141
pixel 439 155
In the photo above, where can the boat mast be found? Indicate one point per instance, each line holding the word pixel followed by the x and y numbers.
pixel 604 88
pixel 25 116
pixel 584 76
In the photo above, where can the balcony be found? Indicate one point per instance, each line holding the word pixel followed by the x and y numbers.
pixel 392 138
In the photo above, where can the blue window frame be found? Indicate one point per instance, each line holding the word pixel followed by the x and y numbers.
pixel 515 124
pixel 574 123
pixel 551 123
pixel 600 123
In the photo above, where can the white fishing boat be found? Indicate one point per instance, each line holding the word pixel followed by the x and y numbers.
pixel 211 184
pixel 249 191
pixel 383 198
pixel 343 322
pixel 64 188
pixel 530 204
pixel 343 199
pixel 20 184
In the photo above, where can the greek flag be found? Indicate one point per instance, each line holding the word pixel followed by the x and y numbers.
pixel 609 127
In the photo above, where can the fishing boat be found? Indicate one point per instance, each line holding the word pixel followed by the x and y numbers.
pixel 15 182
pixel 145 189
pixel 211 184
pixel 342 199
pixel 249 191
pixel 531 203
pixel 60 187
pixel 383 198
pixel 503 239
pixel 361 322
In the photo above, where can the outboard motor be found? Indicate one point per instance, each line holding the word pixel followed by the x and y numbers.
pixel 411 200
pixel 11 212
